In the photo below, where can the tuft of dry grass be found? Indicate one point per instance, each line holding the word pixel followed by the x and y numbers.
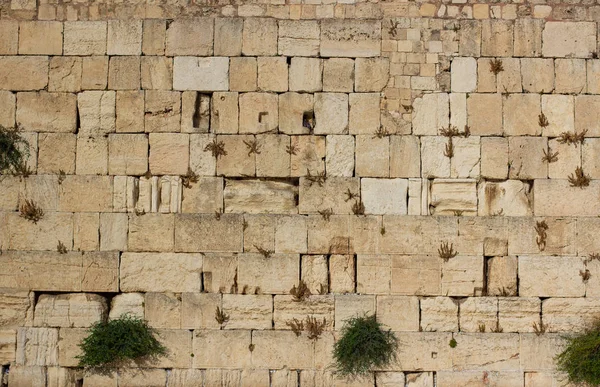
pixel 496 66
pixel 301 292
pixel 31 211
pixel 446 251
pixel 217 148
pixel 579 179
pixel 572 138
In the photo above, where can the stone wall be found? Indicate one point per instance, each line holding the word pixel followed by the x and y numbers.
pixel 212 154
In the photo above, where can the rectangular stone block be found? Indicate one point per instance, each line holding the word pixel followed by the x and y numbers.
pixel 518 314
pixel 151 232
pixel 9 37
pixel 228 36
pixel 247 311
pixel 140 272
pixel 387 312
pixel 298 37
pixel 124 37
pixel 37 346
pixel 69 310
pixel 348 306
pixel 439 314
pixel 280 349
pixel 201 74
pixel 205 233
pixel 557 197
pixel 550 276
pixel 169 153
pixel 569 314
pixel 569 39
pixel 480 378
pixel 274 275
pixel 40 38
pixel 86 194
pixel 253 196
pixel 94 75
pixel 47 112
pixel 192 37
pixel 345 38
pixel 478 351
pixel 424 350
pixel 223 349
pixel 85 37
pixel 259 37
pixel 198 309
pixel 418 275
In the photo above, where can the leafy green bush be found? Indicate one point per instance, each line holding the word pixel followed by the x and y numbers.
pixel 112 342
pixel 14 150
pixel 580 360
pixel 364 345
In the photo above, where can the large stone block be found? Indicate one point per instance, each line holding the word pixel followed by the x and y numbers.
pixel 259 37
pixel 586 114
pixel 539 352
pixel 17 308
pixel 124 37
pixel 331 113
pixel 161 272
pixel 254 196
pixel 258 113
pixel 248 311
pixel 538 75
pixel 338 75
pixel 384 196
pixel 480 378
pixel 127 303
pixel 151 232
pixel 463 76
pixel 138 377
pixel 9 37
pixel 94 72
pixel 192 37
pixel 502 275
pixel 272 74
pixel 525 240
pixel 521 113
pixel 350 38
pixel 569 39
pixel 570 76
pixel 371 74
pixel 497 38
pixel 372 156
pixel 298 37
pixel 86 194
pixel 37 346
pixel 509 198
pixel 85 38
pixel 418 275
pixel 169 153
pixel 439 314
pixel 228 36
pixel 201 74
pixel 162 111
pixel 23 73
pixel 96 112
pixel 478 351
pixel 47 112
pixel 157 72
pixel 243 74
pixel 557 197
pixel 223 349
pixel 431 113
pixel 206 233
pixel 388 308
pixel 291 235
pixel 518 314
pixel 198 309
pixel 281 349
pixel 69 310
pixel 424 350
pixel 294 112
pixel 40 38
pixel 569 314
pixel 21 234
pixel 306 74
pixel 314 197
pixel 525 158
pixel 447 196
pixel 479 314
pixel 550 276
pixel 274 275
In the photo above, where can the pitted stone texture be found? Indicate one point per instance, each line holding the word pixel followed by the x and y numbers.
pixel 346 38
pixel 164 272
pixel 201 74
pixel 69 310
pixel 554 276
pixel 569 39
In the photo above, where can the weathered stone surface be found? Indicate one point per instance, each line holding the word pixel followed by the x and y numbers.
pixel 315 273
pixel 169 153
pixel 331 113
pixel 479 313
pixel 85 38
pixel 428 350
pixel 387 312
pixel 569 314
pixel 163 310
pixel 259 37
pixel 418 275
pixel 160 272
pixel 539 352
pixel 464 75
pixel 219 273
pixel 558 198
pixel 8 346
pixel 179 33
pixel 69 310
pixel 341 274
pixel 350 39
pixel 352 305
pixel 258 112
pixel 17 308
pixel 509 198
pixel 502 275
pixel 274 275
pixel 560 237
pixel 518 314
pixel 314 197
pixel 224 349
pixel 569 39
pixel 318 306
pixel 201 74
pixel 40 38
pixel 127 303
pixel 243 74
pixel 47 112
pixel 384 196
pixel 272 74
pixel 486 352
pixel 195 233
pixel 447 196
pixel 198 309
pixel 27 376
pixel 278 349
pixel 543 276
pixel 139 377
pixel 162 113
pixel 37 346
pixel 430 113
pixel 9 37
pixel 228 36
pixel 338 75
pixel 371 74
pixel 586 114
pixel 480 378
pixel 373 274
pixel 439 314
pixel 291 234
pixel 299 38
pixel 496 37
pixel 248 311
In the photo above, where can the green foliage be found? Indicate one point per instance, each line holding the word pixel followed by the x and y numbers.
pixel 112 342
pixel 14 150
pixel 580 360
pixel 453 343
pixel 363 346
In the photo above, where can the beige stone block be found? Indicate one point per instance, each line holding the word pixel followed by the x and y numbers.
pixel 558 198
pixel 570 76
pixel 559 111
pixel 480 378
pixel 331 114
pixel 205 196
pixel 373 274
pixel 279 349
pixel 419 379
pixel 560 240
pixel 570 158
pixel 124 37
pixel 338 75
pixel 350 38
pixel 528 37
pixel 86 194
pixel 485 114
pixel 509 79
pixel 96 112
pixel 37 346
pixel 372 156
pixel 462 276
pixel 23 73
pixel 9 37
pixel 494 157
pixel 497 38
pixel 224 113
pixel 56 152
pixel 113 231
pixel 150 232
pixel 124 73
pixel 85 37
pixel 538 75
pixel 238 161
pixel 65 74
pixel 404 234
pixel 254 196
pixel 550 276
pixel 390 379
pixel 169 153
pixel 404 156
pixel 248 311
pixel 476 351
pixel 315 273
pixel 569 39
pixel 340 155
pixel 179 350
pixel 258 113
pixel 525 158
pixel 589 161
pixel 47 112
pixel 275 275
pixel 509 198
pixel 141 272
pixel 569 314
pixel 156 72
pixel 439 314
pixel 100 272
pixel 521 113
pixel 387 312
pixel 17 308
pixel 431 113
pixel 259 37
pixel 127 303
pixel 286 308
pixel 201 74
pixel 586 114
pixel 477 313
pixel 539 353
pixel 27 376
pixel 228 36
pixel 466 160
pixel 329 237
pixel 384 196
pixel 291 234
pixel 8 346
pixel 154 36
pixel 243 74
pixel 364 113
pixel 128 154
pixel 92 156
pixel 272 74
pixel 486 79
pixel 449 195
pixel 314 197
pixel 308 156
pixel 42 190
pixel 585 242
pixel 40 38
pixel 593 72
pixel 163 310
pixel 372 74
pixel 299 37
pixel 69 310
pixel 198 310
pixel 273 159
pixel 186 377
pixel 306 74
pixel 195 233
pixel 94 73
pixel 295 113
pixel 8 101
pixel 192 36
pixel 463 75
pixel 224 349
pixel 259 232
pixel 348 306
pixel 518 314
pixel 129 111
pixel 85 231
pixel 139 377
pixel 418 275
pixel 423 350
pixel 220 273
pixel 341 274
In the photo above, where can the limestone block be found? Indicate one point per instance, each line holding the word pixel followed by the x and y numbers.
pixel 68 349
pixel 190 37
pixel 331 113
pixel 85 37
pixel 404 234
pixel 502 275
pixel 390 379
pixel 558 198
pixel 439 314
pixel 92 156
pixel 163 310
pixel 338 75
pixel 99 272
pixel 259 232
pixel 291 234
pixel 480 378
pixel 340 156
pixel 550 276
pixel 318 306
pixel 314 197
pixel 570 158
pixel 371 74
pixel 272 74
pixel 228 36
pixel 373 274
pixel 384 196
pixel 525 158
pixel 299 37
pixel 509 198
pixel 154 36
pixel 593 71
pixel 27 376
pixel 419 379
pixel 497 38
pixel 466 160
pixel 113 231
pixel 8 110
pixel 258 113
pixel 346 38
pixel 86 194
pixel 285 377
pixel 162 111
pixel 561 236
pixel 295 110
pixel 156 72
pixel 586 114
pixel 352 305
pixel 464 75
pixel 96 112
pixel 306 74
pixel 127 303
pixel 364 113
pixel 205 196
pixel 22 234
pixel 47 112
pixel 279 349
pixel 186 377
pixel 485 114
pixel 201 74
pixel 198 310
pixel 94 73
pixel 224 113
pixel 42 190
pixel 248 311
pixel 539 353
pixel 255 196
pixel 273 159
pixel 559 111
pixel 9 37
pixel 431 113
pixel 65 74
pixel 308 156
pixel 238 161
pixel 23 73
pixel 128 154
pixel 568 39
pixel 69 310
pixel 538 75
pixel 372 156
pixel 124 37
pixel 150 232
pixel 462 276
pixel 129 112
pixel 164 272
pixel 243 72
pixel 424 350
pixel 224 349
pixel 419 275
pixel 569 314
pixel 8 346
pixel 85 231
pixel 37 346
pixel 388 308
pixel 585 242
pixel 315 273
pixel 486 352
pixel 570 76
pixel 486 79
pixel 404 156
pixel 477 313
pixel 458 109
pixel 169 153
pixel 179 350
pixel 509 80
pixel 521 113
pixel 195 233
pixel 10 186
pixel 40 38
pixel 138 377
pixel 589 162
pixel 259 37
pixel 17 308
pixel 528 37
pixel 341 274
pixel 275 275
pixel 447 196
pixel 329 237
pixel 518 314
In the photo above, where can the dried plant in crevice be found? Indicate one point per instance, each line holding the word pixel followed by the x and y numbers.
pixel 319 178
pixel 301 292
pixel 540 328
pixel 452 131
pixel 540 228
pixel 506 291
pixel 496 66
pixel 217 148
pixel 579 178
pixel 61 176
pixel 221 317
pixel 266 253
pixel 14 150
pixel 218 214
pixel 358 208
pixel 61 248
pixel 31 211
pixel 446 251
pixel 481 328
pixel 291 149
pixel 326 213
pixel 549 156
pixel 253 147
pixel 542 120
pixel 297 326
pixel 408 108
pixel 22 170
pixel 314 327
pixel 350 195
pixel 449 151
pixel 572 138
pixel 381 132
pixel 393 30
pixel 382 230
pixel 497 328
pixel 244 225
pixel 458 212
pixel 322 289
pixel 585 275
pixel 592 257
pixel 189 178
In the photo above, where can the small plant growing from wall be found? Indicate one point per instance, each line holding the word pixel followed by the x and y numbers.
pixel 580 359
pixel 540 228
pixel 446 251
pixel 300 292
pixel 579 178
pixel 496 66
pixel 572 138
pixel 110 343
pixel 363 346
pixel 31 211
pixel 14 150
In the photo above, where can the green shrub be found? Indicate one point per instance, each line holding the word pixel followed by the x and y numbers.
pixel 363 346
pixel 580 360
pixel 112 342
pixel 14 150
